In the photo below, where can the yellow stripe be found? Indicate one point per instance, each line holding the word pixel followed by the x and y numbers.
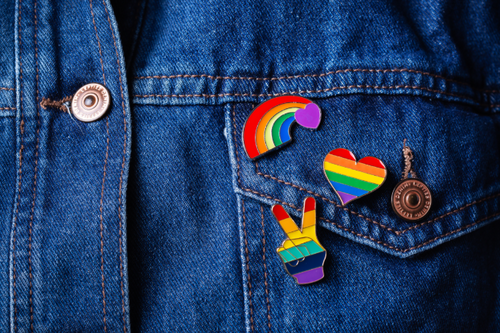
pixel 260 132
pixel 306 232
pixel 268 137
pixel 354 173
pixel 289 243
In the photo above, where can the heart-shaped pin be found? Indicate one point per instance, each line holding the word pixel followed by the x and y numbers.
pixel 308 117
pixel 350 179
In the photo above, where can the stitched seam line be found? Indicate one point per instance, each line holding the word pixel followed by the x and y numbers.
pixel 122 169
pixel 324 199
pixel 368 237
pixel 247 267
pixel 20 170
pixel 265 269
pixel 452 212
pixel 11 89
pixel 7 108
pixel 319 91
pixel 353 70
pixel 247 264
pixel 417 246
pixel 101 227
pixel 101 220
pixel 236 146
pixel 397 232
pixel 32 217
pixel 98 42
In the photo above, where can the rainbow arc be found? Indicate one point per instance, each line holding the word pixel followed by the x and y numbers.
pixel 269 125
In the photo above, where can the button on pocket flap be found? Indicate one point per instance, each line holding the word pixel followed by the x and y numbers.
pixel 452 147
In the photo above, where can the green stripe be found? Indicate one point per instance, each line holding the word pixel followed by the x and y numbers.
pixel 293 253
pixel 277 127
pixel 285 256
pixel 361 184
pixel 312 246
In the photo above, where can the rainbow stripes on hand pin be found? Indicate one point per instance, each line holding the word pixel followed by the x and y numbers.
pixel 301 253
pixel 269 125
pixel 350 179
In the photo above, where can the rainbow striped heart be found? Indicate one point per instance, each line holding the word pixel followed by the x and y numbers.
pixel 350 179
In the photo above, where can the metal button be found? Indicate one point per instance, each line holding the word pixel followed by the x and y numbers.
pixel 411 199
pixel 90 102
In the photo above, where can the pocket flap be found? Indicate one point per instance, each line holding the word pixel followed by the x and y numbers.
pixel 453 155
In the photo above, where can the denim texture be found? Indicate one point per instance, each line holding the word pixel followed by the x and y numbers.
pixel 220 52
pixel 7 65
pixel 67 240
pixel 153 219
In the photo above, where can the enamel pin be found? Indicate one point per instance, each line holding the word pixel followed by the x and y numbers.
pixel 301 253
pixel 269 125
pixel 411 198
pixel 350 179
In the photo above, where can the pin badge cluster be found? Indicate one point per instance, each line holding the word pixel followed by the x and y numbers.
pixel 269 127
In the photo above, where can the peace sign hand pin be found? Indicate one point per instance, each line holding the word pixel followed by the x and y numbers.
pixel 302 254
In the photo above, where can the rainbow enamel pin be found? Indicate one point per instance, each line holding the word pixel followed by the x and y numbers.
pixel 350 179
pixel 301 253
pixel 269 125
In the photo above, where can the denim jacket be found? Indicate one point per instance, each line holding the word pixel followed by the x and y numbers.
pixel 154 219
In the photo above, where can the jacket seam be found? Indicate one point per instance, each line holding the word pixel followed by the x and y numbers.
pixel 101 203
pixel 320 91
pixel 122 169
pixel 397 232
pixel 266 284
pixel 402 250
pixel 20 172
pixel 288 77
pixel 35 178
pixel 247 266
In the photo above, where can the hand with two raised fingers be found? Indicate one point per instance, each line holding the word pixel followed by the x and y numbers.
pixel 301 253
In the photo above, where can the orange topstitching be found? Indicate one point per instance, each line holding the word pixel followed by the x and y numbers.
pixel 287 77
pixel 397 232
pixel 317 91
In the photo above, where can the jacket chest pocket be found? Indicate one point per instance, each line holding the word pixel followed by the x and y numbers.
pixel 450 156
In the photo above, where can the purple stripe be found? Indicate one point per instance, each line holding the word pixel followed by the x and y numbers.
pixel 311 276
pixel 346 197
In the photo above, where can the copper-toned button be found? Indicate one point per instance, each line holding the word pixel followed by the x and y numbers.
pixel 90 102
pixel 411 199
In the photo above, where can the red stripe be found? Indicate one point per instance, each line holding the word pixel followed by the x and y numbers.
pixel 309 204
pixel 341 152
pixel 250 129
pixel 279 212
pixel 373 161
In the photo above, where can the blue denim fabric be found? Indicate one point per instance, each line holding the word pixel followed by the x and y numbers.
pixel 153 219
